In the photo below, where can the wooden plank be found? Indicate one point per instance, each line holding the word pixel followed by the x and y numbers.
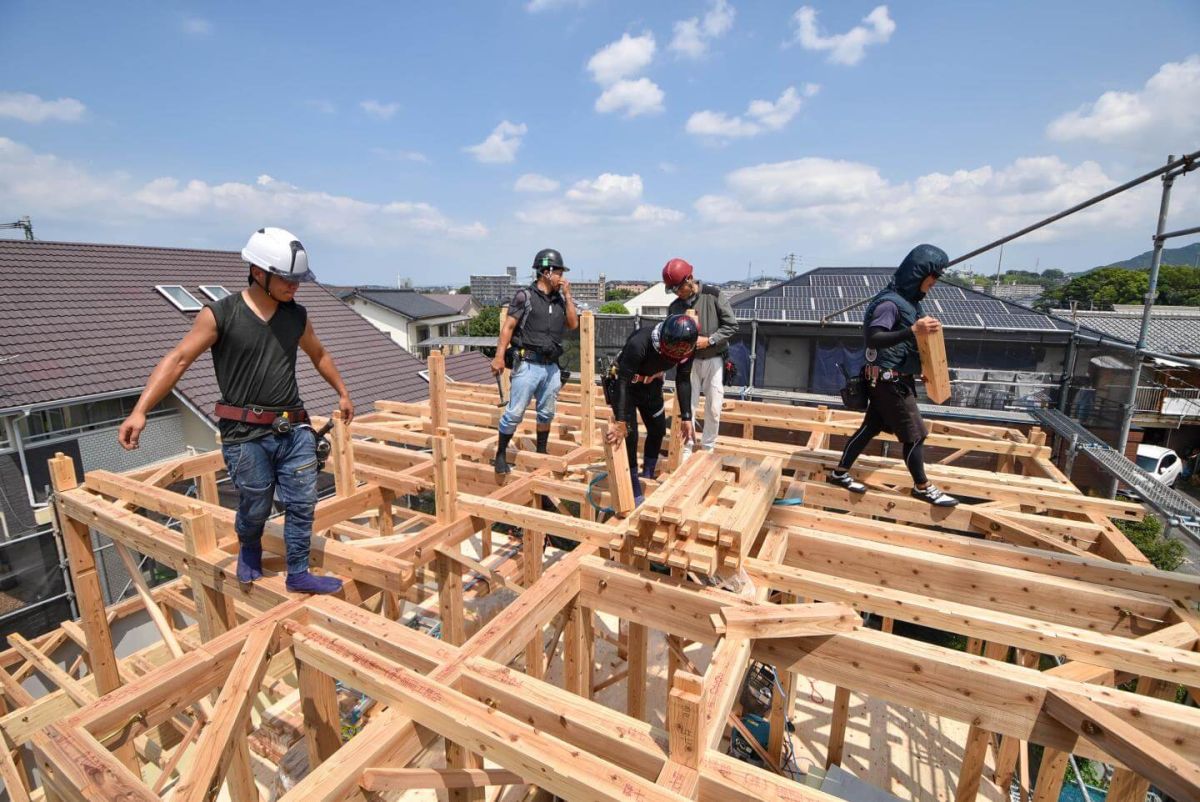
pixel 790 620
pixel 1178 776
pixel 75 767
pixel 620 483
pixel 1127 785
pixel 408 779
pixel 934 366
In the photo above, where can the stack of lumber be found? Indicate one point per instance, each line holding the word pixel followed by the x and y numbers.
pixel 707 515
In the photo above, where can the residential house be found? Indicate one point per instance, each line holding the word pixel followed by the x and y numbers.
pixel 651 302
pixel 406 316
pixel 81 327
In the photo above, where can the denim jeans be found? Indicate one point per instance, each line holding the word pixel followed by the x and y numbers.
pixel 530 379
pixel 277 465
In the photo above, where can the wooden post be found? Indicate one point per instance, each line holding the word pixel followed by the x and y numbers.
pixel 1050 775
pixel 450 599
pixel 934 366
pixel 531 559
pixel 437 388
pixel 1126 785
pixel 206 488
pixel 319 705
pixel 214 610
pixel 685 719
pixel 974 753
pixel 505 376
pixel 578 643
pixel 782 706
pixel 674 444
pixel 837 727
pixel 387 522
pixel 445 476
pixel 620 483
pixel 343 456
pixel 587 377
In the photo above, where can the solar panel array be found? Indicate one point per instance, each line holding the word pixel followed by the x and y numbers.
pixel 825 293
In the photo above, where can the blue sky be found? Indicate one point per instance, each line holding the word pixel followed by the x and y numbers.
pixel 433 140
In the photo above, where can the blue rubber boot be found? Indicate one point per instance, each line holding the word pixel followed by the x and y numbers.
pixel 648 469
pixel 249 567
pixel 311 583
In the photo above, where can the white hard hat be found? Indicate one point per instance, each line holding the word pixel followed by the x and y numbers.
pixel 279 253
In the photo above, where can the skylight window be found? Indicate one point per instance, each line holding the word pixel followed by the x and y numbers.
pixel 215 291
pixel 183 300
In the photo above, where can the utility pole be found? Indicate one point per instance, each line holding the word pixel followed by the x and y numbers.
pixel 24 223
pixel 999 262
pixel 790 260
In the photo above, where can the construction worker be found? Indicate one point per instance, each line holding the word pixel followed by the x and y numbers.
pixel 269 448
pixel 537 316
pixel 891 324
pixel 717 325
pixel 634 385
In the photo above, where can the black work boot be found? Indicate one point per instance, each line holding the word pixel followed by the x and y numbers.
pixel 500 464
pixel 543 441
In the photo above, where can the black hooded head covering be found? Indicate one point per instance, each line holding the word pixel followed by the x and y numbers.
pixel 922 261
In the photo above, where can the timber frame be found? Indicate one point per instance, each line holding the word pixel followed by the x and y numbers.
pixel 1031 568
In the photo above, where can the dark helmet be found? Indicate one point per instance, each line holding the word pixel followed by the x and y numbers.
pixel 675 272
pixel 548 259
pixel 677 337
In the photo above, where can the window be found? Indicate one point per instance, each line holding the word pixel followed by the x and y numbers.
pixel 5 442
pixel 1167 462
pixel 215 291
pixel 183 300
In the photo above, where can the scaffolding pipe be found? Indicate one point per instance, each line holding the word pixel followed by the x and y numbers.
pixel 1186 163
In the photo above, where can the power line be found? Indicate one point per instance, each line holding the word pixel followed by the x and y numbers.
pixel 24 223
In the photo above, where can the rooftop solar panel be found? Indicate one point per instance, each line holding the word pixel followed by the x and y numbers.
pixel 959 320
pixel 1034 322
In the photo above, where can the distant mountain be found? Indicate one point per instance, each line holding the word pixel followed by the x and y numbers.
pixel 1187 255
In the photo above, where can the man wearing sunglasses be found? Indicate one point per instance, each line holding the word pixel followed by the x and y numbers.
pixel 537 316
pixel 717 325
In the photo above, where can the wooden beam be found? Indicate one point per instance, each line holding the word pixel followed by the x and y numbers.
pixel 934 366
pixel 379 780
pixel 620 482
pixel 587 378
pixel 789 620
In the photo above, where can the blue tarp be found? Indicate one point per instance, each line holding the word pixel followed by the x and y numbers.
pixel 827 377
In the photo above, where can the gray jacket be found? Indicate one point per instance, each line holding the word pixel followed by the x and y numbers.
pixel 717 321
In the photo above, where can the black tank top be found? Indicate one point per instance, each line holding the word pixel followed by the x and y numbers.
pixel 255 361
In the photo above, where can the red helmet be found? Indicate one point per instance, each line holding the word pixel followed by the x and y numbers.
pixel 677 337
pixel 675 273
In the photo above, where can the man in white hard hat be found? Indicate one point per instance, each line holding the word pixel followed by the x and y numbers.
pixel 269 448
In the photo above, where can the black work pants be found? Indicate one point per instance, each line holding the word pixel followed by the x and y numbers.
pixel 645 400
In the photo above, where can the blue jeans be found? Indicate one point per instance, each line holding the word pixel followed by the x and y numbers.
pixel 283 465
pixel 540 379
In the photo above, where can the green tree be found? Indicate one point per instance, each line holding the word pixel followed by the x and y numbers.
pixel 1178 285
pixel 614 308
pixel 1147 535
pixel 1054 274
pixel 1101 289
pixel 485 324
pixel 464 289
pixel 618 295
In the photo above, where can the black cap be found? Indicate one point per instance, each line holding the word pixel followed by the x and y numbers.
pixel 548 259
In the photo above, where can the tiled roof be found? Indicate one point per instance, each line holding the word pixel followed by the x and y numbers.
pixel 413 305
pixel 469 366
pixel 459 302
pixel 80 319
pixel 1178 335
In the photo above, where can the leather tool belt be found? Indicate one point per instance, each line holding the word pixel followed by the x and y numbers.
pixel 874 373
pixel 259 416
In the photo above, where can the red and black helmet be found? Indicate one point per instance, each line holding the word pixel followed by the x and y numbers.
pixel 677 337
pixel 675 273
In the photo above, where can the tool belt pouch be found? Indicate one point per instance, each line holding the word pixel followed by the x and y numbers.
pixel 609 385
pixel 854 393
pixel 510 354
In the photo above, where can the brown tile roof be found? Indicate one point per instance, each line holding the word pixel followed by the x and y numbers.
pixel 79 319
pixel 469 366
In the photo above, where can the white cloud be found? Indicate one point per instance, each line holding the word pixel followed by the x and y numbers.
pixel 32 109
pixel 856 205
pixel 532 182
pixel 501 145
pixel 321 106
pixel 608 199
pixel 394 155
pixel 693 36
pixel 535 6
pixel 1163 116
pixel 623 58
pixel 635 98
pixel 378 110
pixel 47 186
pixel 844 48
pixel 197 26
pixel 761 116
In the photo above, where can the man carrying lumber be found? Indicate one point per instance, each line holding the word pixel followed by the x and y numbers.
pixel 634 385
pixel 717 325
pixel 269 448
pixel 891 324
pixel 534 327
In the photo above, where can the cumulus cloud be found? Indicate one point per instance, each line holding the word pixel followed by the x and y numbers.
pixel 610 198
pixel 844 48
pixel 51 187
pixel 395 155
pixel 634 98
pixel 378 110
pixel 693 36
pixel 615 66
pixel 33 109
pixel 859 206
pixel 623 58
pixel 501 145
pixel 532 182
pixel 761 116
pixel 197 26
pixel 1161 116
